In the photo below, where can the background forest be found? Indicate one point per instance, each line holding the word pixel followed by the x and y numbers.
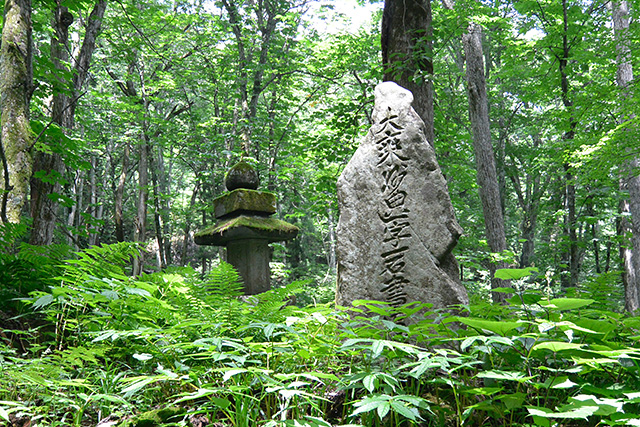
pixel 137 109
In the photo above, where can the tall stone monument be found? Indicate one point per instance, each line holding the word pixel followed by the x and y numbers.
pixel 397 227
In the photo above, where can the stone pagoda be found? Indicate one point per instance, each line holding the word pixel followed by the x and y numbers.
pixel 245 226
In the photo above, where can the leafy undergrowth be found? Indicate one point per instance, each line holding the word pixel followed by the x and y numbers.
pixel 174 349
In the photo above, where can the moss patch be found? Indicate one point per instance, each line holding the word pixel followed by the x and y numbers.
pixel 160 417
pixel 254 222
pixel 246 201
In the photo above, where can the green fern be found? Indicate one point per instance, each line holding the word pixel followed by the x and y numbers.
pixel 25 268
pixel 271 305
pixel 222 282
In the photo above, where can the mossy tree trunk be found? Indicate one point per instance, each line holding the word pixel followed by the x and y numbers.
pixel 15 94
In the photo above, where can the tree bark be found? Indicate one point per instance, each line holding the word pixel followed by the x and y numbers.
pixel 15 95
pixel 571 254
pixel 119 195
pixel 485 160
pixel 529 201
pixel 407 53
pixel 268 15
pixel 157 214
pixel 140 233
pixel 187 224
pixel 43 208
pixel 630 181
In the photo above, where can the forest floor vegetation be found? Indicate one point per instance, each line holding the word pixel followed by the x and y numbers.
pixel 88 345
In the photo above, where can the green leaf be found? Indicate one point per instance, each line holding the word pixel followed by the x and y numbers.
pixel 43 301
pixel 500 328
pixel 505 375
pixel 514 273
pixel 203 392
pixel 369 382
pixel 513 401
pixel 4 415
pixel 579 413
pixel 142 356
pixel 138 385
pixel 376 348
pixel 369 404
pixel 566 303
pixel 383 409
pixel 556 346
pixel 402 409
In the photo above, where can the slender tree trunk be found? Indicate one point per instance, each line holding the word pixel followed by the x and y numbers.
pixel 74 217
pixel 140 233
pixel 407 53
pixel 165 206
pixel 97 207
pixel 571 254
pixel 485 160
pixel 15 95
pixel 630 252
pixel 157 220
pixel 332 241
pixel 529 202
pixel 187 225
pixel 119 195
pixel 83 61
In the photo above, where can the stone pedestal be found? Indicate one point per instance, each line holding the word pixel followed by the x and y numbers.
pixel 245 227
pixel 251 257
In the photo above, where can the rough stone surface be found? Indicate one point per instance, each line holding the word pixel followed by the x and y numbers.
pixel 397 227
pixel 243 200
pixel 242 175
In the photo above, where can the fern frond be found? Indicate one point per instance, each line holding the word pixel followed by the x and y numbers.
pixel 271 303
pixel 222 281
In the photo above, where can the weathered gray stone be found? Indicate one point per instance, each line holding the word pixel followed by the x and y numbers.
pixel 242 175
pixel 397 227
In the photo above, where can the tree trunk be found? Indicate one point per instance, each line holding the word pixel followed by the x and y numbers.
pixel 407 54
pixel 485 160
pixel 140 233
pixel 165 207
pixel 43 208
pixel 630 251
pixel 157 220
pixel 571 254
pixel 83 62
pixel 331 259
pixel 15 95
pixel 529 202
pixel 119 196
